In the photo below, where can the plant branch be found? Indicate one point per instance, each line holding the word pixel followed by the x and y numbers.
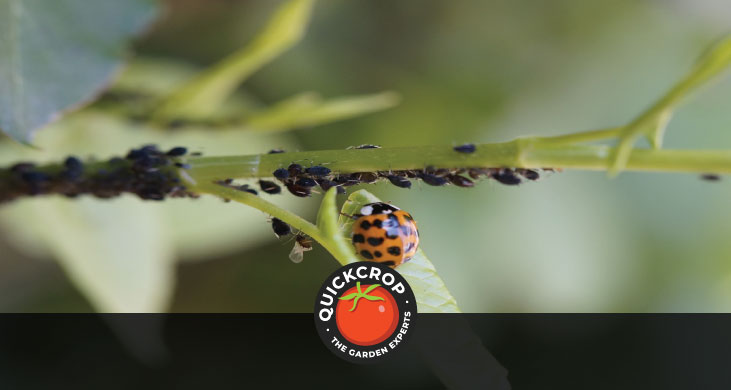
pixel 519 153
pixel 329 239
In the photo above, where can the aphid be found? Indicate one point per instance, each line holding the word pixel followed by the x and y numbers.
pixel 280 228
pixel 528 174
pixel 134 154
pixel 269 187
pixel 318 171
pixel 196 154
pixel 182 165
pixel 432 180
pixel 34 177
pixel 466 148
pixel 74 168
pixel 710 177
pixel 507 177
pixel 151 194
pixel 399 181
pixel 22 167
pixel 385 233
pixel 246 188
pixel 305 182
pixel 177 151
pixel 364 177
pixel 116 161
pixel 302 244
pixel 461 181
pixel 442 172
pixel 73 163
pixel 275 151
pixel 227 181
pixel 475 173
pixel 294 169
pixel 365 146
pixel 281 174
pixel 345 180
pixel 298 190
pixel 325 184
pixel 35 181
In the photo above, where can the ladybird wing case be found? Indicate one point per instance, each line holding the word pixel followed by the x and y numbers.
pixel 389 238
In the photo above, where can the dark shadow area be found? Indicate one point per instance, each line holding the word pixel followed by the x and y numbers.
pixel 199 351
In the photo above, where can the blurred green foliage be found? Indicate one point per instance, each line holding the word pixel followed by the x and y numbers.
pixel 477 71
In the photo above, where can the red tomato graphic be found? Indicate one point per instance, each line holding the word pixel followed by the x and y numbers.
pixel 366 315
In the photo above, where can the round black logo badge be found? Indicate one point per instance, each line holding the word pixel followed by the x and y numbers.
pixel 364 312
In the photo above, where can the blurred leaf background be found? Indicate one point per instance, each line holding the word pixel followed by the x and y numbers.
pixel 465 71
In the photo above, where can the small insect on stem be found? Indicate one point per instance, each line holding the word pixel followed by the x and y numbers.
pixel 269 187
pixel 710 177
pixel 466 148
pixel 280 228
pixel 302 244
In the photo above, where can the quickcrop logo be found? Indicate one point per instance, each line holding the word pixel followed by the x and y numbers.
pixel 364 312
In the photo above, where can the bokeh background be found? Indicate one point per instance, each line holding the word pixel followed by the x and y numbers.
pixel 466 71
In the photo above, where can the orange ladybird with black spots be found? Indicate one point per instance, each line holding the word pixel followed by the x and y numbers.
pixel 385 233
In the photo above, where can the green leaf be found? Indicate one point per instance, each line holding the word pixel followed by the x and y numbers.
pixel 57 55
pixel 332 238
pixel 309 109
pixel 371 288
pixel 115 252
pixel 200 96
pixel 372 298
pixel 432 295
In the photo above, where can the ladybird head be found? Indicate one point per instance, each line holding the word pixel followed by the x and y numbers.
pixel 378 208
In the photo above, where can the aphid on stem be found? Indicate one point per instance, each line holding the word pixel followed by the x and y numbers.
pixel 280 227
pixel 302 244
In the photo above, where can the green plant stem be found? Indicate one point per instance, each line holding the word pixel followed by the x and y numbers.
pixel 519 153
pixel 581 137
pixel 259 203
pixel 294 220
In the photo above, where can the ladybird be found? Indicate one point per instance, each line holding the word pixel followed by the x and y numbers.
pixel 385 234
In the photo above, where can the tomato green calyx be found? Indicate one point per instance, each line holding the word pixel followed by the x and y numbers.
pixel 362 294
